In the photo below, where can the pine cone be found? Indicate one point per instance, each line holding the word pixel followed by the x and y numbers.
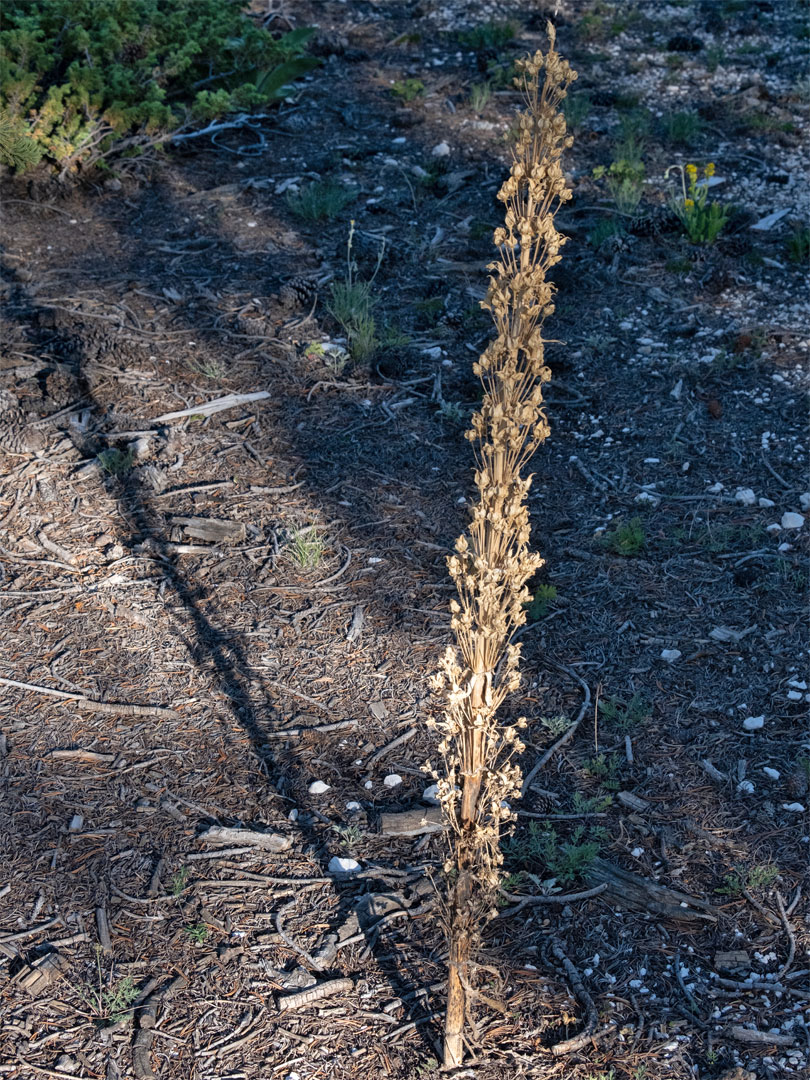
pixel 658 221
pixel 17 434
pixel 297 293
pixel 61 387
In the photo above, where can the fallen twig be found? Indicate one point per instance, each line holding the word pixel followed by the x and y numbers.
pixel 219 834
pixel 208 408
pixel 82 702
pixel 315 993
pixel 556 898
pixel 569 734
pixel 785 968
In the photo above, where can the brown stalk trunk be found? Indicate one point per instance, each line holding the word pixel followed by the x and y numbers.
pixel 461 918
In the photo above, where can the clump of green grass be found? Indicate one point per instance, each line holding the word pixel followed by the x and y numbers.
pixel 352 305
pixel 488 35
pixel 197 933
pixel 480 93
pixel 179 880
pixel 798 245
pixel 628 538
pixel 683 128
pixel 576 110
pixel 306 547
pixel 603 230
pixel 408 89
pixel 320 199
pixel 116 462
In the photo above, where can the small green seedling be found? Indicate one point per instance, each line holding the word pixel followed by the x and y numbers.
pixel 627 538
pixel 197 933
pixel 178 882
pixel 408 89
pixel 306 548
pixel 116 462
pixel 538 606
pixel 320 199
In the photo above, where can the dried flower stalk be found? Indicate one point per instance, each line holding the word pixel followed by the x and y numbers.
pixel 493 562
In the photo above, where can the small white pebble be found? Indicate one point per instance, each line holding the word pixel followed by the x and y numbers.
pixel 293 815
pixel 671 655
pixel 785 546
pixel 745 787
pixel 745 496
pixel 794 807
pixel 637 852
pixel 715 489
pixel 794 695
pixel 392 780
pixel 440 150
pixel 368 785
pixel 318 787
pixel 804 501
pixel 766 504
pixel 772 774
pixel 753 723
pixel 353 805
pixel 431 794
pixel 790 520
pixel 338 865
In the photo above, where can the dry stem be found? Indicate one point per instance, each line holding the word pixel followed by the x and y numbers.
pixel 493 562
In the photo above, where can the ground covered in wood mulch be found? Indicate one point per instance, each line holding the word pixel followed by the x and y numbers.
pixel 266 668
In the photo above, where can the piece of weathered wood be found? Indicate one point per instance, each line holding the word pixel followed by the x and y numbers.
pixel 412 822
pixel 636 893
pixel 735 960
pixel 214 530
pixel 219 834
pixel 759 1038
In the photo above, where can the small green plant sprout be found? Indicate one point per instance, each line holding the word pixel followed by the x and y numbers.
pixel 603 230
pixel 538 607
pixel 408 89
pixel 625 182
pixel 452 412
pixel 625 715
pixel 116 462
pixel 179 880
pixel 538 849
pixel 702 220
pixel 590 804
pixel 480 93
pixel 197 933
pixel 555 725
pixel 114 1003
pixel 352 305
pixel 210 367
pixel 605 770
pixel 322 199
pixel 798 245
pixel 306 547
pixel 741 881
pixel 350 836
pixel 628 538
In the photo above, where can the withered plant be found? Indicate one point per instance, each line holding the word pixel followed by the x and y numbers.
pixel 493 562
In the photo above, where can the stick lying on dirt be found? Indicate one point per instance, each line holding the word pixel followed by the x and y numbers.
pixel 119 708
pixel 208 408
pixel 306 997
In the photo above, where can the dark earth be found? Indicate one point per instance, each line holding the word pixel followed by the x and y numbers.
pixel 182 676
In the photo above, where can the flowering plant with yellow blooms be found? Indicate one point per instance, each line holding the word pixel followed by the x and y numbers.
pixel 703 220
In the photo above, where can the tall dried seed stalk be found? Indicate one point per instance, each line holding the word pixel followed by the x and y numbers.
pixel 493 562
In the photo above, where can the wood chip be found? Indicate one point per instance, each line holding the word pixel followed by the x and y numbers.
pixel 759 1038
pixel 735 960
pixel 412 822
pixel 211 529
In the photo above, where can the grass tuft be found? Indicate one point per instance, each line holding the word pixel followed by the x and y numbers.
pixel 318 200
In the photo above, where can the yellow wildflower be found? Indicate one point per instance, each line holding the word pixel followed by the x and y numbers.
pixel 710 169
pixel 691 171
pixel 689 203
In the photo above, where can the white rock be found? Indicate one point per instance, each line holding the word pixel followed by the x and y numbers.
pixel 791 520
pixel 76 823
pixel 774 528
pixel 318 787
pixel 440 150
pixel 794 807
pixel 797 684
pixel 795 695
pixel 431 795
pixel 753 723
pixel 338 865
pixel 676 390
pixel 772 774
pixel 646 497
pixel 785 546
pixel 637 852
pixel 715 489
pixel 766 504
pixel 368 785
pixel 353 806
pixel 434 354
pixel 804 501
pixel 745 496
pixel 671 655
pixel 745 787
pixel 392 780
pixel 293 815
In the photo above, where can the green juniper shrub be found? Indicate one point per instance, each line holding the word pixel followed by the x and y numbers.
pixel 798 246
pixel 408 89
pixel 87 77
pixel 487 36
